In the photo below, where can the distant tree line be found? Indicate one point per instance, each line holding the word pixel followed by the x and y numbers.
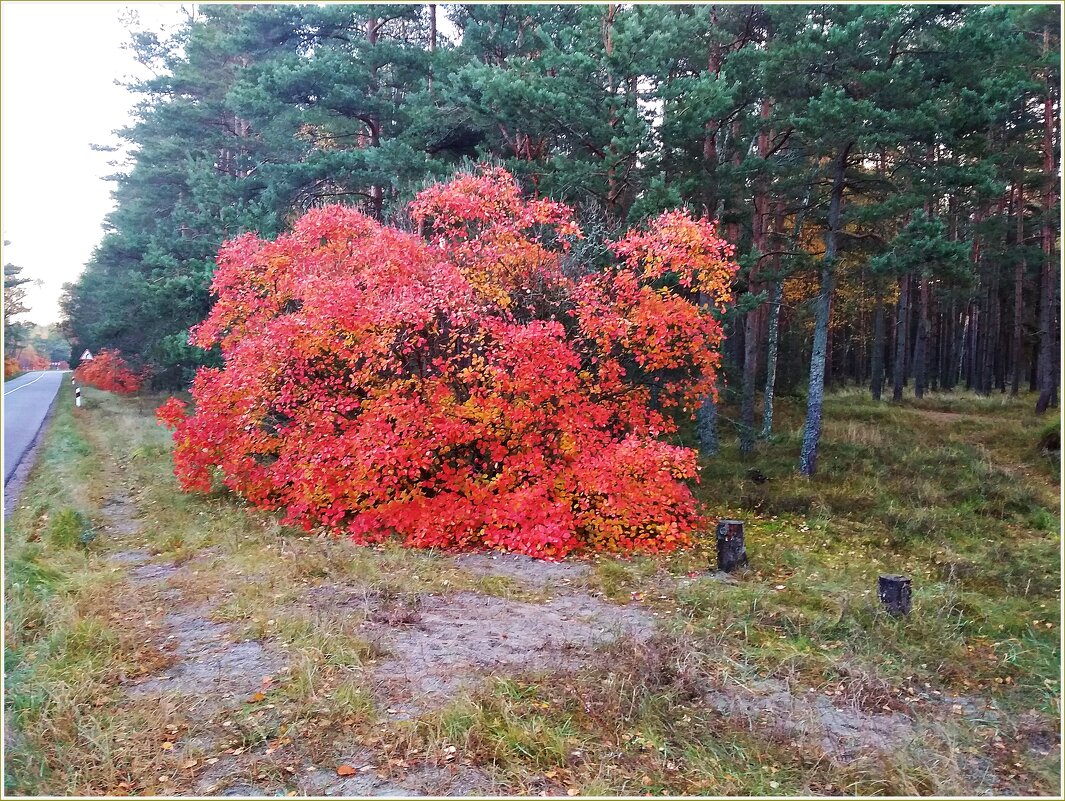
pixel 889 174
pixel 27 346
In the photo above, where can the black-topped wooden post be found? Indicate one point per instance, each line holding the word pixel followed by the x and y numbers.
pixel 895 594
pixel 731 551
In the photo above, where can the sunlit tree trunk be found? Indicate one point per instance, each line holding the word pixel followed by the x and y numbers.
pixel 815 398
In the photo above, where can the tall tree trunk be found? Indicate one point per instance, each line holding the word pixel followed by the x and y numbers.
pixel 373 122
pixel 706 415
pixel 432 45
pixel 976 317
pixel 877 356
pixel 992 350
pixel 920 348
pixel 1033 366
pixel 1002 347
pixel 712 126
pixel 776 292
pixel 902 338
pixel 751 342
pixel 1017 346
pixel 984 346
pixel 773 336
pixel 947 334
pixel 733 228
pixel 939 337
pixel 613 190
pixel 752 324
pixel 1048 325
pixel 1047 373
pixel 706 428
pixel 957 323
pixel 811 435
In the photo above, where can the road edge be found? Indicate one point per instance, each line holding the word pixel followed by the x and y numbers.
pixel 20 475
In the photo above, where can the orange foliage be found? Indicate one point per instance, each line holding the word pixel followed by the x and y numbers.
pixel 29 359
pixel 109 371
pixel 460 389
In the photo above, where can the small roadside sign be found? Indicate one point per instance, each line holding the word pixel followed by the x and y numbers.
pixel 86 356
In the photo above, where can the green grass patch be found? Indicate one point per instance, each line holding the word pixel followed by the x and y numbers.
pixel 956 491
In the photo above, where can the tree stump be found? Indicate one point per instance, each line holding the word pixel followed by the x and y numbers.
pixel 731 550
pixel 895 594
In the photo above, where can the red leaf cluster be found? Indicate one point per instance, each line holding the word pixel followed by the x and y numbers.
pixel 109 371
pixel 28 359
pixel 467 386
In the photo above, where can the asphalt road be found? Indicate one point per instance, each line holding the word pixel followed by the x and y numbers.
pixel 26 402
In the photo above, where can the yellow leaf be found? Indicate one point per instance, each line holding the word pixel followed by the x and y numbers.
pixel 167 746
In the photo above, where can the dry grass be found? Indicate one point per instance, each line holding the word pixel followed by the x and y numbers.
pixel 931 489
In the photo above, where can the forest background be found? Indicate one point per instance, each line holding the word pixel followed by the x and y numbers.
pixel 889 174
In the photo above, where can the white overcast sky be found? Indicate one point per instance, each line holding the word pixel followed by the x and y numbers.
pixel 60 63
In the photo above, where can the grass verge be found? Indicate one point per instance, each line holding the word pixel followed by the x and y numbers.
pixel 958 492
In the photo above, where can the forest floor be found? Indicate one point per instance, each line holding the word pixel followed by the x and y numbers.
pixel 170 644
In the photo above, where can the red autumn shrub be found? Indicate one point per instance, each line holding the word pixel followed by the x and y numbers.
pixel 109 371
pixel 29 359
pixel 11 368
pixel 466 387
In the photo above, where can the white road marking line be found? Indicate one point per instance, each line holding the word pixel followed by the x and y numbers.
pixel 20 386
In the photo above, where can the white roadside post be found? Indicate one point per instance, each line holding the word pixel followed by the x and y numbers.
pixel 85 357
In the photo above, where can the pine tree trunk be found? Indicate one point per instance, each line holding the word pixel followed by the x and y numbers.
pixel 993 364
pixel 773 337
pixel 811 436
pixel 1048 324
pixel 751 341
pixel 983 347
pixel 1017 346
pixel 710 130
pixel 776 292
pixel 1047 376
pixel 373 122
pixel 753 323
pixel 706 415
pixel 432 45
pixel 877 356
pixel 613 190
pixel 936 350
pixel 920 349
pixel 957 358
pixel 947 334
pixel 902 331
pixel 706 425
pixel 1033 366
pixel 976 316
pixel 1002 348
